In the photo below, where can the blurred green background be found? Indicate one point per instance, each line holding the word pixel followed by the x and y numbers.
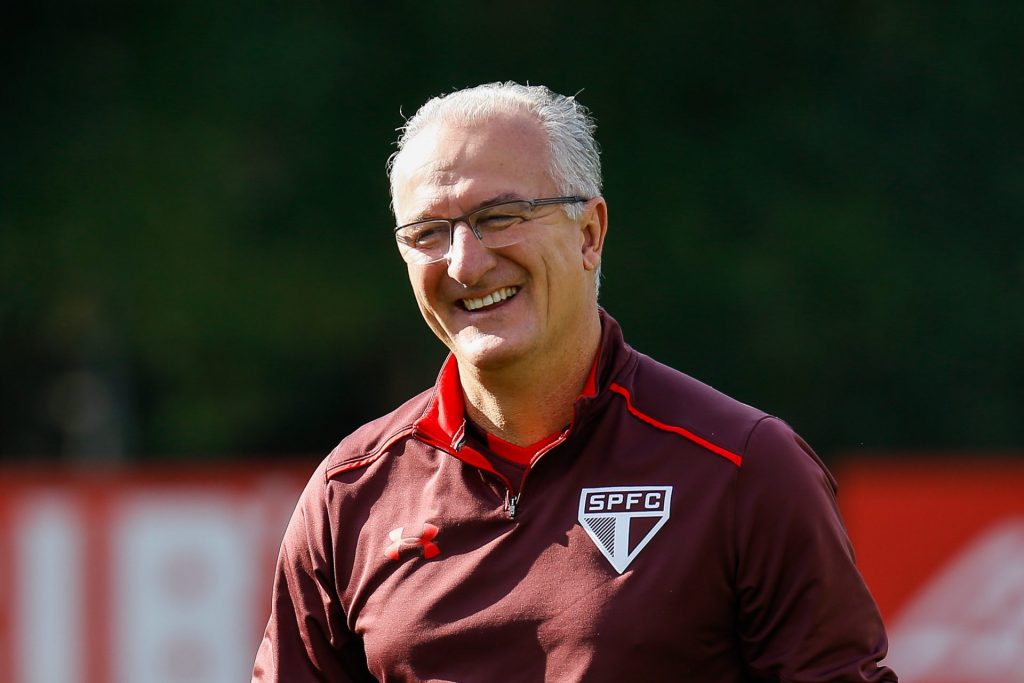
pixel 816 208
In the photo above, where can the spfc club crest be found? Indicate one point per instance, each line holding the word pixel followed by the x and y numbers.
pixel 621 520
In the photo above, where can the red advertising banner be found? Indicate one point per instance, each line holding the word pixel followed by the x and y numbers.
pixel 940 542
pixel 164 576
pixel 147 577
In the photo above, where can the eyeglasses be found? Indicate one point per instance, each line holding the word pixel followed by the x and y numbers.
pixel 496 225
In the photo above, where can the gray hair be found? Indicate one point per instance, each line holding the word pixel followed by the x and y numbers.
pixel 575 157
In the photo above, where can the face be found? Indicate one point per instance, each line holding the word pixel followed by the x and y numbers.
pixel 495 308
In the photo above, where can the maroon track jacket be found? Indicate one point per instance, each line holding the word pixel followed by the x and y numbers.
pixel 670 534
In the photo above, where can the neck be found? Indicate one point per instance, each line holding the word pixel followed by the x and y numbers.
pixel 533 399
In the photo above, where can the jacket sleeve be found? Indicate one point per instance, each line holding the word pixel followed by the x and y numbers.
pixel 307 638
pixel 804 612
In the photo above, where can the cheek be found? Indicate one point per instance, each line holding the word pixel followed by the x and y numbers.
pixel 563 263
pixel 418 278
pixel 424 284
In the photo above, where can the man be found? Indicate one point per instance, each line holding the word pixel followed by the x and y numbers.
pixel 558 507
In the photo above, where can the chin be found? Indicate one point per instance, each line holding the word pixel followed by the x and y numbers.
pixel 488 353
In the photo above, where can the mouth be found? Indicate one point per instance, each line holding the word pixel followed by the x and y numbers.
pixel 490 300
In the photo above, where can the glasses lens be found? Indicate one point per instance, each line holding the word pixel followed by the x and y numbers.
pixel 499 225
pixel 424 242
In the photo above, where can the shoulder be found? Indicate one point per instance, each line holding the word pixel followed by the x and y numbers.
pixel 784 470
pixel 371 440
pixel 671 399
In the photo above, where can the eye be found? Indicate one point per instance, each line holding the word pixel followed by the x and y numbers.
pixel 497 221
pixel 503 216
pixel 424 235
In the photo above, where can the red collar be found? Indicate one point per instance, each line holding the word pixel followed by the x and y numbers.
pixel 520 455
pixel 445 419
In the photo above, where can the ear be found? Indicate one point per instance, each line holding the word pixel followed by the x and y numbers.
pixel 593 228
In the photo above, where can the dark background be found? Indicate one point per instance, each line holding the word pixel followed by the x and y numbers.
pixel 816 209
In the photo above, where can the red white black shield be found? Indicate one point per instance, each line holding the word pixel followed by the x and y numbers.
pixel 621 520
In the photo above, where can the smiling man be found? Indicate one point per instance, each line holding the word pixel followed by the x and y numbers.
pixel 558 506
pixel 521 319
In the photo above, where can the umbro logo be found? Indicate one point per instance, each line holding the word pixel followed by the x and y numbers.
pixel 422 540
pixel 621 520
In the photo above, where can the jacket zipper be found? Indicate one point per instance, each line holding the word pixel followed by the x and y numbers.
pixel 511 505
pixel 512 502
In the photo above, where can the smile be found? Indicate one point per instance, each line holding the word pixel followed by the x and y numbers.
pixel 491 299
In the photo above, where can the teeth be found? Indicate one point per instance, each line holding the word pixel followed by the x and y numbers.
pixel 492 298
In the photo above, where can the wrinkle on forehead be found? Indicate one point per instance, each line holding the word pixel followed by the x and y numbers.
pixel 463 209
pixel 448 161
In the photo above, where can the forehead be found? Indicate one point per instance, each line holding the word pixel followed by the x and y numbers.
pixel 453 167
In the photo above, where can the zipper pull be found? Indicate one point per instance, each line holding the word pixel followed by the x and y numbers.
pixel 511 503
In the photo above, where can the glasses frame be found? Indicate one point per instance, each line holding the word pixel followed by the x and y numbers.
pixel 465 218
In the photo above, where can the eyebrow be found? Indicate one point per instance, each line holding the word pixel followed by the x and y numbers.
pixel 496 199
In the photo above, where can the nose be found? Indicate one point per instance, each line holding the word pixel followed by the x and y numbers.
pixel 468 259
